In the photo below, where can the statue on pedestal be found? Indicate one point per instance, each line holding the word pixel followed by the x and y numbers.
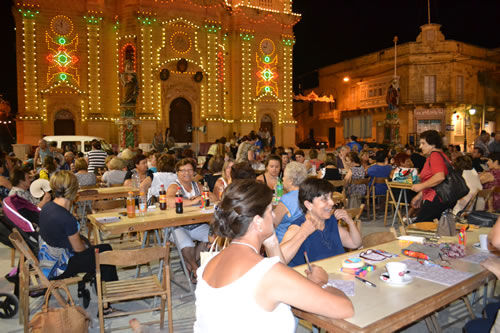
pixel 129 82
pixel 391 125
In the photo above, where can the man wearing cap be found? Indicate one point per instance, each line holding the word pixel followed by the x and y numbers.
pixel 21 181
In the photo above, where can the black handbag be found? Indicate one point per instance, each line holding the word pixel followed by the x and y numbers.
pixel 482 219
pixel 453 187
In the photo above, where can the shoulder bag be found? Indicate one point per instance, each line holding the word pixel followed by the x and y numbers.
pixel 205 256
pixel 453 187
pixel 70 318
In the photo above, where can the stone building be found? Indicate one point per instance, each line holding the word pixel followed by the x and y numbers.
pixel 126 69
pixel 439 80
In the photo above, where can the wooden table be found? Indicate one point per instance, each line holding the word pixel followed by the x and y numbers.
pixel 106 193
pixel 165 220
pixel 404 187
pixel 388 308
pixel 157 219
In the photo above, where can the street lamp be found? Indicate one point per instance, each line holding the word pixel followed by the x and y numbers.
pixel 471 112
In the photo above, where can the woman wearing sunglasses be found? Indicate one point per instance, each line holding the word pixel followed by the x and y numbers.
pixel 317 232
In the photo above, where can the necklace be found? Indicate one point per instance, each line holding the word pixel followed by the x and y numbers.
pixel 246 244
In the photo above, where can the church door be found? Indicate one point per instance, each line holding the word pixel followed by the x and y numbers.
pixel 64 124
pixel 180 116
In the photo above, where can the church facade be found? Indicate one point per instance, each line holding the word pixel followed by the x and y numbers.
pixel 125 70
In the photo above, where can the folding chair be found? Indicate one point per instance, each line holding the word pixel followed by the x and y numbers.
pixel 364 181
pixel 135 288
pixel 377 180
pixel 31 277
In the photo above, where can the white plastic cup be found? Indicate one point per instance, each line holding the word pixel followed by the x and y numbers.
pixel 483 241
pixel 396 270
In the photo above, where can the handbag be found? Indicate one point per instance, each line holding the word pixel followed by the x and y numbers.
pixel 206 256
pixel 70 318
pixel 446 225
pixel 482 219
pixel 453 187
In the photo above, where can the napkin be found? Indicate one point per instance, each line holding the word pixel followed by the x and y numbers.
pixel 108 219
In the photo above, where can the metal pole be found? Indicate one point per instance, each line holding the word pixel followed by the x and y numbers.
pixel 395 40
pixel 428 11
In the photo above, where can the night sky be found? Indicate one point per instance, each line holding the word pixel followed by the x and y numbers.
pixel 334 30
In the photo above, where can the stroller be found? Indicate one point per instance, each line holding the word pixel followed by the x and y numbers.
pixel 22 215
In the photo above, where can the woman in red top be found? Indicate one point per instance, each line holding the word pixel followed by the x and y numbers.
pixel 433 174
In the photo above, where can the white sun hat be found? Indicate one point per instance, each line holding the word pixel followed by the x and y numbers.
pixel 39 187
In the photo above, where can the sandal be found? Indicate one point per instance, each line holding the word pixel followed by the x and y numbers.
pixel 192 275
pixel 109 310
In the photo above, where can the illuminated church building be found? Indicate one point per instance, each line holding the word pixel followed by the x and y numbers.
pixel 127 69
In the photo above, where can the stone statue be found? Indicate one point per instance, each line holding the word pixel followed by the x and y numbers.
pixel 129 81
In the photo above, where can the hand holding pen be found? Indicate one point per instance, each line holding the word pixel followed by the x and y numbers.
pixel 315 273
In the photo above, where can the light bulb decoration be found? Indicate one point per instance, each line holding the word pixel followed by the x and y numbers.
pixel 267 73
pixel 62 58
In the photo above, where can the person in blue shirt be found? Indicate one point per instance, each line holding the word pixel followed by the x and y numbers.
pixel 379 169
pixel 288 208
pixel 317 232
pixel 353 144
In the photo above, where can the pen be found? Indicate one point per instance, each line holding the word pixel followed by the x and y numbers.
pixel 365 281
pixel 307 261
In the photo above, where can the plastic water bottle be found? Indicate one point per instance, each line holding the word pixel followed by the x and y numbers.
pixel 136 180
pixel 279 189
pixel 143 204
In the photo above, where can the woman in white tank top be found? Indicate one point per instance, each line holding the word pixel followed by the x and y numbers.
pixel 240 291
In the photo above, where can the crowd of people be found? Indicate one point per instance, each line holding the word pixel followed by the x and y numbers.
pixel 272 197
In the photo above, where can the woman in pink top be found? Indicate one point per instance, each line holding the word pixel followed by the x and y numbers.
pixel 433 174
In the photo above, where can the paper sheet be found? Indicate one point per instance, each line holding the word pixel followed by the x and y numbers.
pixel 108 219
pixel 346 286
pixel 447 277
pixel 477 258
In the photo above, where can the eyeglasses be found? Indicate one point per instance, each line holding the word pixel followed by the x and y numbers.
pixel 186 171
pixel 375 255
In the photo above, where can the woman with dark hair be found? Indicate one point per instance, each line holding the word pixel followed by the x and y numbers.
pixel 96 158
pixel 165 175
pixel 49 167
pixel 329 169
pixel 355 171
pixel 433 173
pixel 187 235
pixel 463 164
pixel 317 231
pixel 141 167
pixel 63 253
pixel 379 169
pixel 239 290
pixel 273 168
pixel 225 179
pixel 242 170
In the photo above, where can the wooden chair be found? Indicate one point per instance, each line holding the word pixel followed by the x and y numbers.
pixel 364 181
pixel 342 197
pixel 377 180
pixel 138 288
pixel 355 214
pixel 377 238
pixel 485 195
pixel 31 277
